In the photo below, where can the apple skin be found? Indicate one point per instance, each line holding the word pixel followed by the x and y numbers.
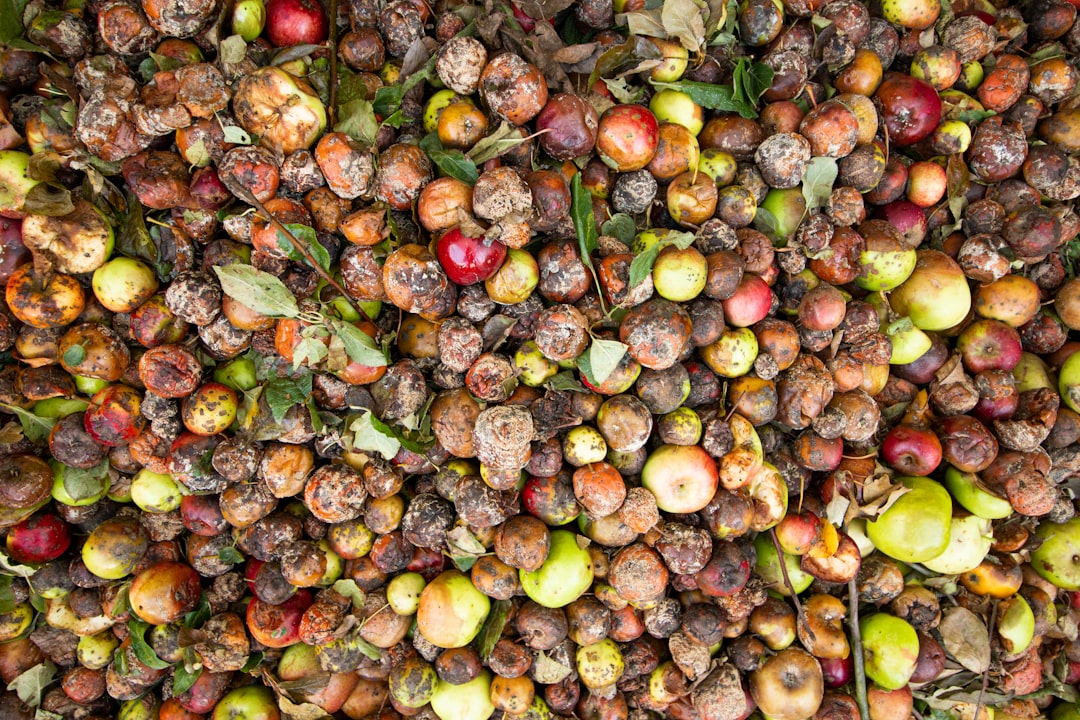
pixel 885 264
pixel 251 702
pixel 936 295
pixel 750 303
pixel 683 478
pixel 907 341
pixel 968 490
pixel 470 701
pixel 278 626
pixel 565 575
pixel 916 527
pixel 989 345
pixel 301 661
pixel 767 568
pixel 38 539
pixel 788 686
pixel 1069 382
pixel 912 450
pixel 970 538
pixel 15 182
pixel 890 650
pixel 1016 624
pixel 296 22
pixel 452 610
pixel 1057 560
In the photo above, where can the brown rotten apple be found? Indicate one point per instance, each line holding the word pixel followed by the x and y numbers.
pixel 284 111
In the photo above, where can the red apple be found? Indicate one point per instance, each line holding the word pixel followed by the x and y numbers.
pixel 468 260
pixel 908 218
pixel 38 539
pixel 278 626
pixel 627 137
pixel 911 450
pixel 797 532
pixel 750 303
pixel 12 251
pixel 989 345
pixel 910 108
pixel 837 671
pixel 296 22
pixel 683 478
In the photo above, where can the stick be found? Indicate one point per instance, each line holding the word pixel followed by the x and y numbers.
pixel 857 651
pixel 986 672
pixel 787 581
pixel 332 110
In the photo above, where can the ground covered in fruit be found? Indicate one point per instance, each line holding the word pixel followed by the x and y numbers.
pixel 549 359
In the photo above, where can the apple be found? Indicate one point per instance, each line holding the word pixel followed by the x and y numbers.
pixel 732 355
pixel 767 567
pixel 451 610
pixel 1057 560
pixel 936 295
pixel 911 449
pixel 968 490
pixel 885 263
pixel 1069 382
pixel 469 701
pixel 789 685
pixel 15 182
pixel 889 704
pixel 283 110
pixel 565 575
pixel 989 345
pixel 784 212
pixel 249 19
pixel 1016 624
pixel 250 702
pixel 155 492
pixel 296 22
pixel 916 527
pixel 750 303
pixel 38 539
pixel 890 649
pixel 970 538
pixel 797 532
pixel 908 342
pixel 683 478
pixel 278 626
pixel 300 661
pixel 1031 373
pixel 123 284
pixel 675 106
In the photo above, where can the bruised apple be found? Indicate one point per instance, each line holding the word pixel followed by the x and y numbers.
pixel 284 111
pixel 936 295
pixel 452 610
pixel 916 527
pixel 567 572
pixel 683 478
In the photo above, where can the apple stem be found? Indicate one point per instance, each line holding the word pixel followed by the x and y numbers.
pixel 857 649
pixel 791 588
pixel 331 111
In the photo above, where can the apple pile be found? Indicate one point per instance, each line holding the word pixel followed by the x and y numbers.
pixel 607 359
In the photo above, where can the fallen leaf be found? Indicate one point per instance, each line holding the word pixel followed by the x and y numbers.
pixel 965 637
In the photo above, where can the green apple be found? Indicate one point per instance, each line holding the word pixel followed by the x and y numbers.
pixel 885 263
pixel 970 538
pixel 238 373
pixel 675 106
pixel 248 19
pixel 600 664
pixel 88 385
pixel 250 702
pixel 565 575
pixel 968 490
pixel 784 212
pixel 1069 382
pixel 1031 373
pixel 916 527
pixel 890 650
pixel 909 343
pixel 1058 558
pixel 768 567
pixel 123 284
pixel 470 701
pixel 283 110
pixel 59 407
pixel 1065 711
pixel 15 182
pixel 451 610
pixel 155 492
pixel 1016 624
pixel 64 476
pixel 936 295
pixel 403 592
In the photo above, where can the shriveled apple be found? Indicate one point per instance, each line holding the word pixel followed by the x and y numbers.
pixel 284 111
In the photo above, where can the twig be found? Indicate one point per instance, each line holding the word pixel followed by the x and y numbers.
pixel 249 197
pixel 986 672
pixel 791 588
pixel 332 110
pixel 857 650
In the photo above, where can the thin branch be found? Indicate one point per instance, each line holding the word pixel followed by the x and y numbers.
pixel 986 672
pixel 857 650
pixel 332 110
pixel 791 588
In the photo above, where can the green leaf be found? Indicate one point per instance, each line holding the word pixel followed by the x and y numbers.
pixel 493 628
pixel 367 436
pixel 231 555
pixel 751 80
pixel 253 661
pixel 82 484
pixel 282 393
pixel 604 357
pixel 137 631
pixel 351 590
pixel 46 715
pixel 134 240
pixel 258 290
pixel 307 237
pixel 35 428
pixel 621 226
pixel 387 100
pixel 973 117
pixel 356 119
pixel 30 685
pixel 818 182
pixel 232 50
pixel 455 164
pixel 581 213
pixel 7 595
pixel 711 97
pixel 565 380
pixel 502 139
pixel 637 53
pixel 642 264
pixel 11 27
pixel 199 615
pixel 311 351
pixel 74 355
pixel 360 346
pixel 184 679
pixel 236 135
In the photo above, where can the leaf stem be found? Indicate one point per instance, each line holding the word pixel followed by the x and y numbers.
pixel 857 649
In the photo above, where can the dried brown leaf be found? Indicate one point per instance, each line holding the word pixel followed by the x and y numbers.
pixel 965 637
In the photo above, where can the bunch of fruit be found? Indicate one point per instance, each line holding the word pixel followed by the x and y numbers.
pixel 610 359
